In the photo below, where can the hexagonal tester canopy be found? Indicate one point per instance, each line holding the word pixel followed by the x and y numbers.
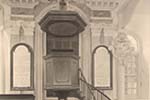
pixel 62 23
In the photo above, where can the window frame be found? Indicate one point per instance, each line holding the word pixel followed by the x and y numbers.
pixel 31 68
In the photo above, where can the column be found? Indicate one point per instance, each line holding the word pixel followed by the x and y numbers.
pixel 38 63
pixel 121 82
pixel 1 58
pixel 121 45
pixel 1 66
pixel 86 57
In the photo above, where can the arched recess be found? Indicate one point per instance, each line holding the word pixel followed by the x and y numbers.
pixel 102 68
pixel 22 67
pixel 40 37
pixel 141 68
pixel 128 54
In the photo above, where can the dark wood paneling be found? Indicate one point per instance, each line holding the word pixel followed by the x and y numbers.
pixel 61 71
pixel 62 45
pixel 49 73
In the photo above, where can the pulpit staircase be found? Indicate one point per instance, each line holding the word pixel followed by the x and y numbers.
pixel 92 92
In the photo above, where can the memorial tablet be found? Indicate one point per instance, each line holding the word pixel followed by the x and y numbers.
pixel 21 68
pixel 102 68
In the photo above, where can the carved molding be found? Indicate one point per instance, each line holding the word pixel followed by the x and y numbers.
pixel 102 4
pixel 22 3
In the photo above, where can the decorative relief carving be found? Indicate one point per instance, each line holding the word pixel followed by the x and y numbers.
pixel 82 6
pixel 49 1
pixel 101 13
pixel 62 5
pixel 23 3
pixel 126 54
pixel 100 4
pixel 27 25
pixel 22 11
pixel 22 31
pixel 121 45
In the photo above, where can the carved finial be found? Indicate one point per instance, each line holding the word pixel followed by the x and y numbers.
pixel 21 33
pixel 102 36
pixel 62 5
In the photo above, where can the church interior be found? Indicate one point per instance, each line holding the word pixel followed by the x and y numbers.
pixel 74 50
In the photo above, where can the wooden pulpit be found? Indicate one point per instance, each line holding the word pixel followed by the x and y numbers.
pixel 62 52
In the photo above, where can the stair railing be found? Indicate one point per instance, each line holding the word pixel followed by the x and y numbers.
pixel 91 87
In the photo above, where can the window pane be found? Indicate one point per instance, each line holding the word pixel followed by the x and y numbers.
pixel 131 85
pixel 134 91
pixel 131 79
pixel 131 91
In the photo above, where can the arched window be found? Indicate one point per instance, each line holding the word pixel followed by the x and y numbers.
pixel 22 67
pixel 131 68
pixel 102 67
pixel 126 51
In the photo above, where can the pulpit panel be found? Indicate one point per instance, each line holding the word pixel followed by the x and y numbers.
pixel 62 71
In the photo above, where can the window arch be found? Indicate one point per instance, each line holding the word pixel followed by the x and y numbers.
pixel 22 67
pixel 126 52
pixel 131 68
pixel 102 67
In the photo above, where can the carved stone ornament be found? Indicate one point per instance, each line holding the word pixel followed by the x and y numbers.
pixel 124 51
pixel 121 44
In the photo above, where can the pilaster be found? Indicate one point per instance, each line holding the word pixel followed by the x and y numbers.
pixel 38 63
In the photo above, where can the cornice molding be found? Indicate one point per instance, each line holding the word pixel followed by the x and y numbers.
pixel 21 4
